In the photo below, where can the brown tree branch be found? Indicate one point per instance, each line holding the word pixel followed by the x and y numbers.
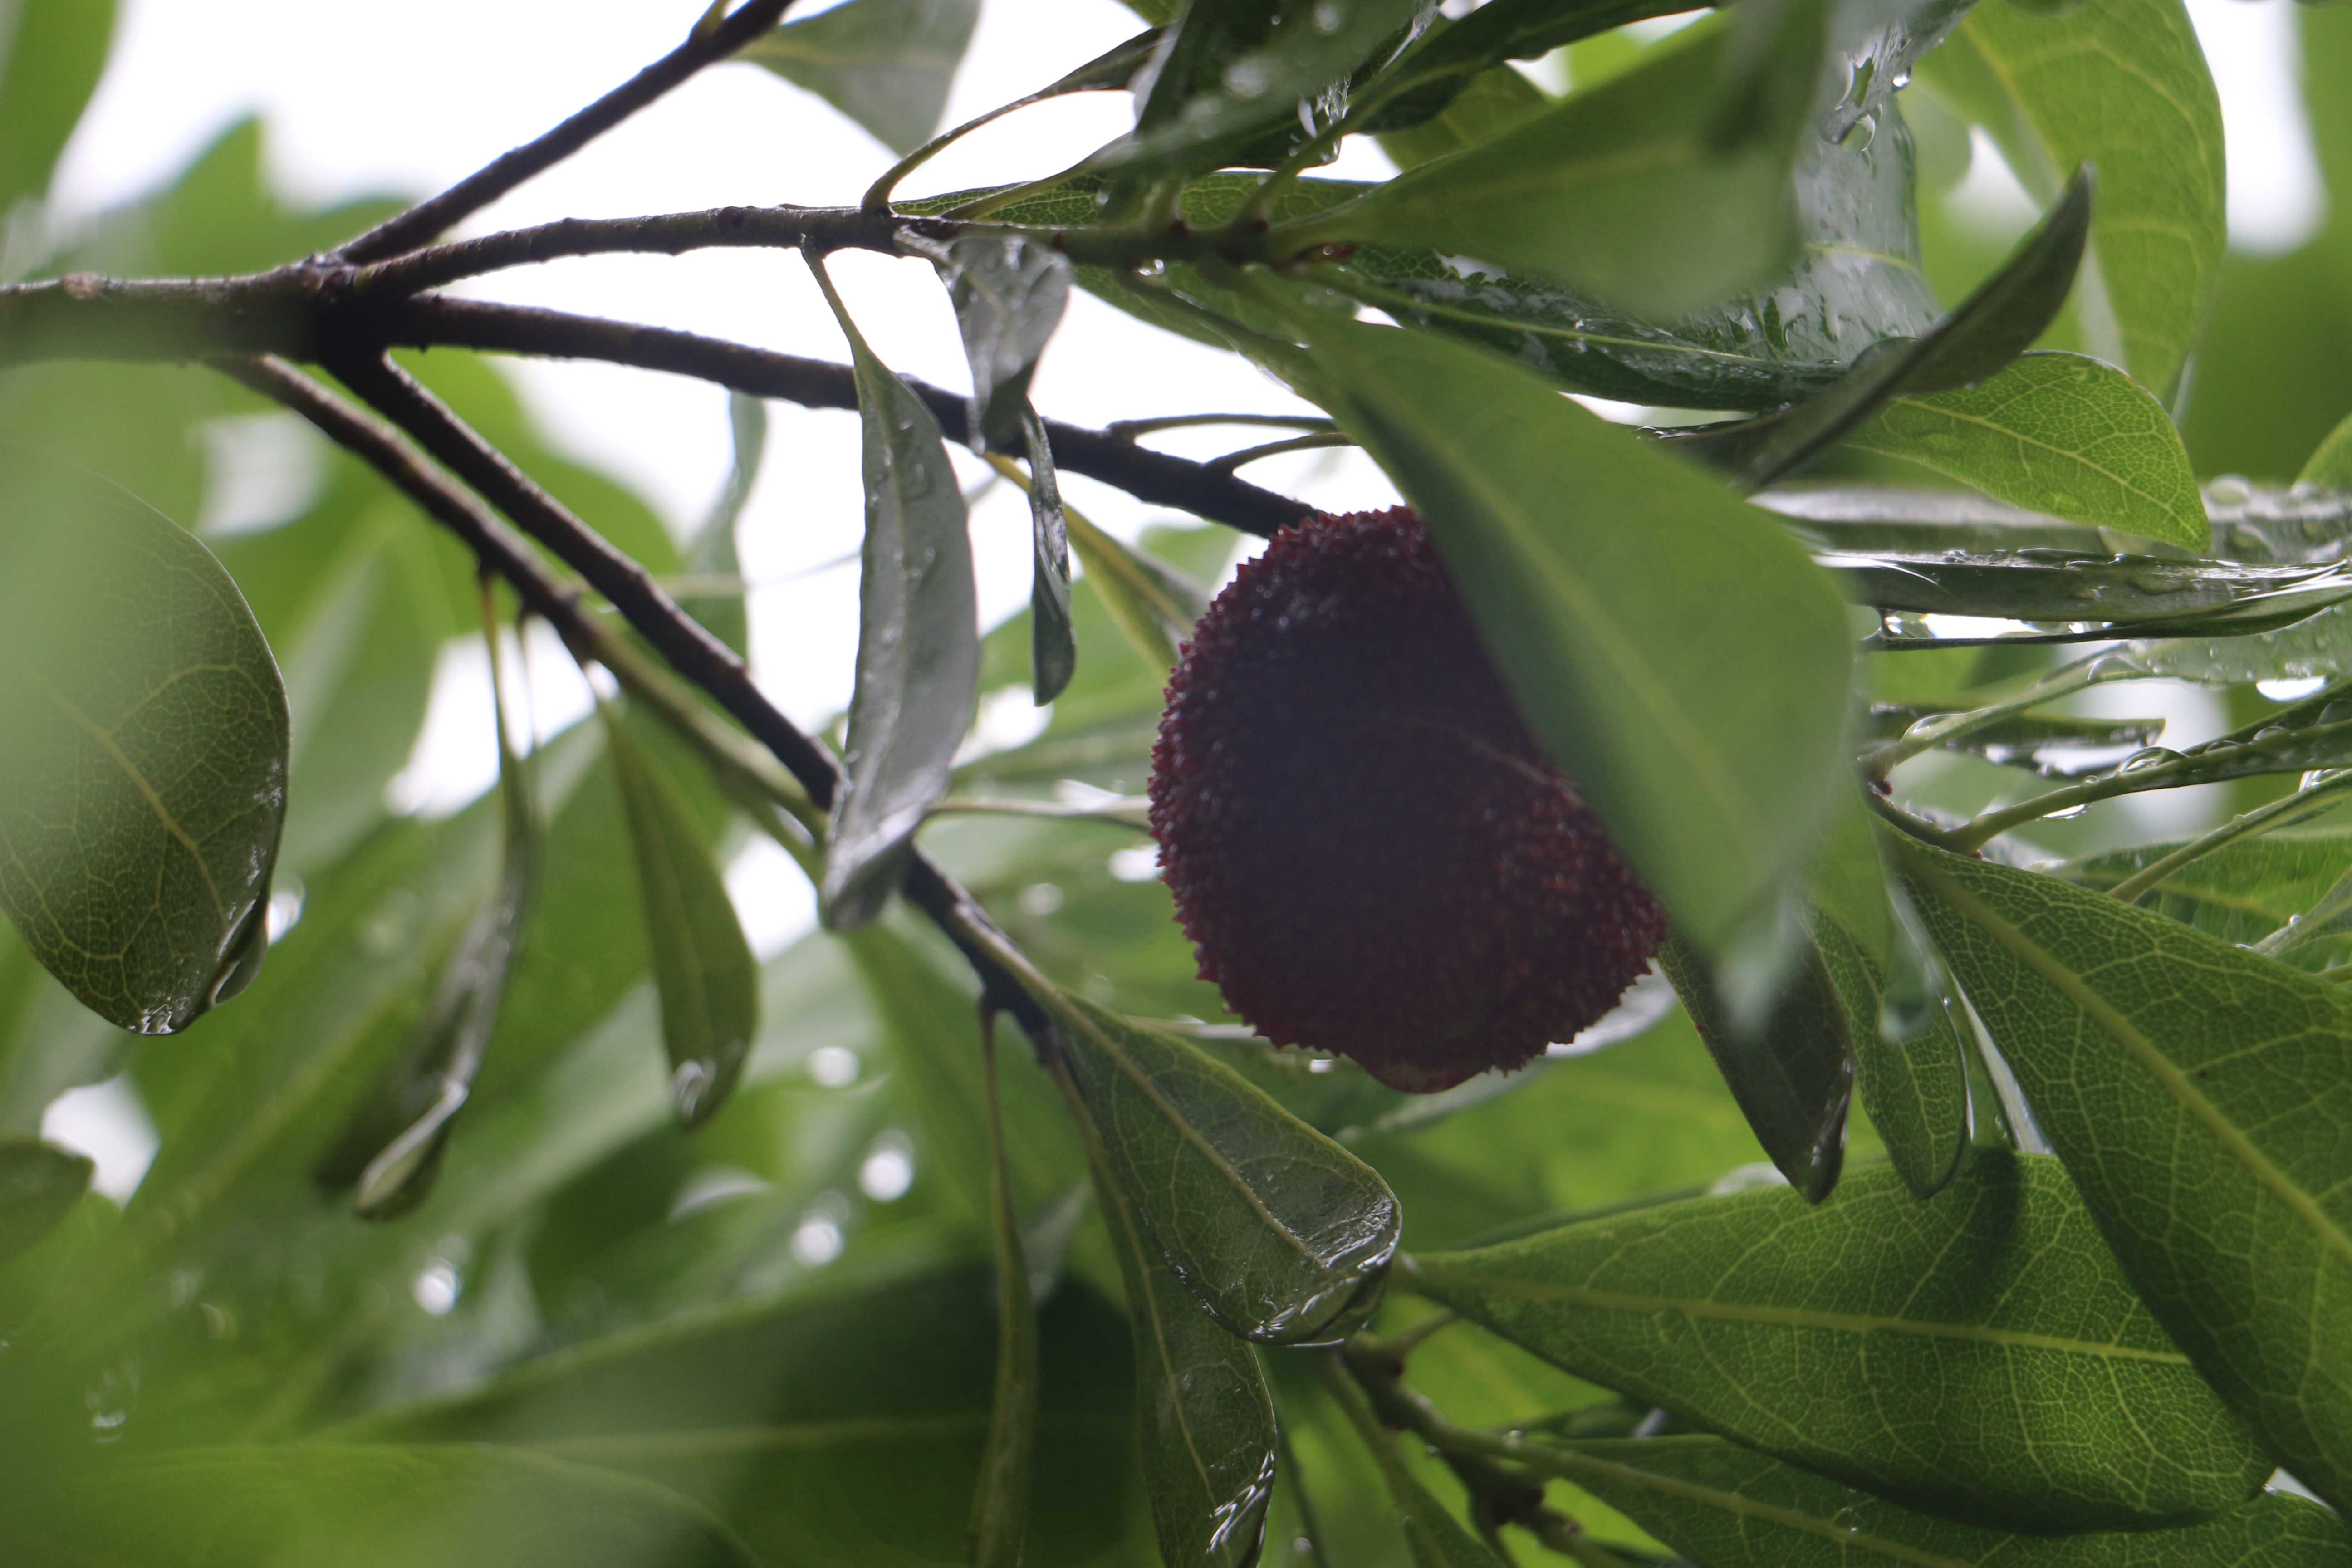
pixel 309 313
pixel 1158 477
pixel 692 651
pixel 437 214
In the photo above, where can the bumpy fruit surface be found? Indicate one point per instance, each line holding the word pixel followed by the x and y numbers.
pixel 1367 846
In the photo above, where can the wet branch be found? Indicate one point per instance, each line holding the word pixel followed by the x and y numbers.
pixel 709 664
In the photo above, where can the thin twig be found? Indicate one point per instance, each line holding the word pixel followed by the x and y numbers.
pixel 2319 797
pixel 1158 478
pixel 437 214
pixel 672 633
pixel 1128 429
pixel 1307 443
pixel 659 234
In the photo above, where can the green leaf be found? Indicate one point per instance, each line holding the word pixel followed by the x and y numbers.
pixel 1978 1355
pixel 1989 329
pixel 1000 1502
pixel 1708 762
pixel 2212 1155
pixel 1009 292
pixel 2060 434
pixel 425 1093
pixel 1718 1503
pixel 1479 109
pixel 2316 644
pixel 1916 1090
pixel 39 1182
pixel 1149 600
pixel 375 1506
pixel 1618 193
pixel 917 639
pixel 2120 85
pixel 51 54
pixel 799 1420
pixel 1435 1537
pixel 2100 587
pixel 1206 1420
pixel 1228 70
pixel 887 64
pixel 2330 467
pixel 1053 644
pixel 1282 1235
pixel 1792 1071
pixel 143 783
pixel 712 553
pixel 709 984
pixel 2240 892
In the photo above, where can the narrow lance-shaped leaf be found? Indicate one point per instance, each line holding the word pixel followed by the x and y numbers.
pixel 420 1098
pixel 2330 465
pixel 143 781
pixel 1052 648
pixel 1979 1354
pixel 2061 433
pixel 1791 1072
pixel 703 968
pixel 1206 1420
pixel 719 602
pixel 1000 1502
pixel 1701 709
pixel 918 638
pixel 39 1182
pixel 1619 192
pixel 1154 604
pixel 887 64
pixel 56 52
pixel 2197 1093
pixel 2120 85
pixel 1009 293
pixel 1283 1235
pixel 1916 1089
pixel 1230 69
pixel 1715 1502
pixel 1990 327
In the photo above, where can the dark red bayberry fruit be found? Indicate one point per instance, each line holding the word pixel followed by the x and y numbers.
pixel 1367 846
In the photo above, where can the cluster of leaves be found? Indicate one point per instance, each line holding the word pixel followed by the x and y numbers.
pixel 700 1259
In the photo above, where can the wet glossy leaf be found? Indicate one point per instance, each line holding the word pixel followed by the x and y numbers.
pixel 1206 1420
pixel 1282 1235
pixel 1052 646
pixel 1915 1088
pixel 712 555
pixel 1000 1502
pixel 1478 109
pixel 2060 434
pixel 2240 892
pixel 1715 1502
pixel 377 1505
pixel 2318 645
pixel 703 967
pixel 1792 1073
pixel 1978 1355
pixel 2047 586
pixel 2054 746
pixel 401 1136
pixel 1708 762
pixel 918 641
pixel 39 1182
pixel 142 784
pixel 51 53
pixel 2120 85
pixel 2214 1158
pixel 1975 342
pixel 1009 292
pixel 1230 69
pixel 887 64
pixel 1619 192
